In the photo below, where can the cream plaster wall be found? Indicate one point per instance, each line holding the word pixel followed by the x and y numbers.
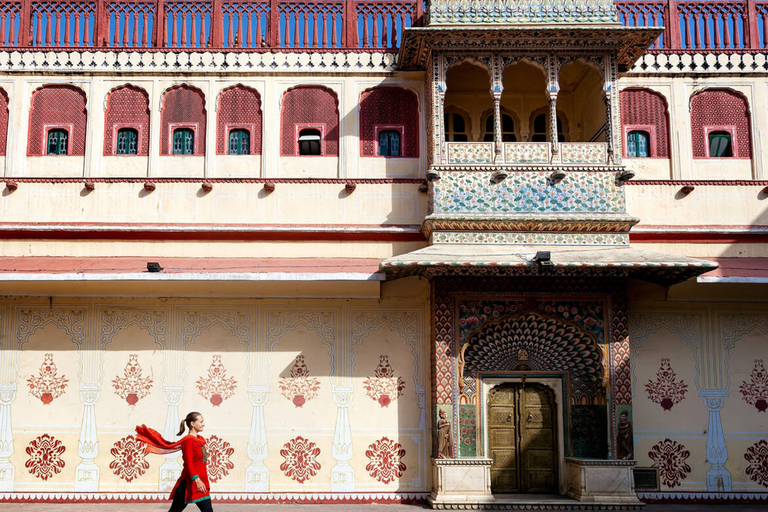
pixel 700 440
pixel 257 341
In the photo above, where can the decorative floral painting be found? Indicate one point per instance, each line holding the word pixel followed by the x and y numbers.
pixel 671 459
pixel 132 386
pixel 219 451
pixel 384 387
pixel 757 457
pixel 300 387
pixel 45 457
pixel 300 459
pixel 48 384
pixel 755 391
pixel 216 386
pixel 129 458
pixel 385 458
pixel 666 390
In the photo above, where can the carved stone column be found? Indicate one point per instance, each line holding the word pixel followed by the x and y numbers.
pixel 553 121
pixel 608 127
pixel 342 475
pixel 498 157
pixel 7 471
pixel 718 478
pixel 170 470
pixel 257 473
pixel 87 472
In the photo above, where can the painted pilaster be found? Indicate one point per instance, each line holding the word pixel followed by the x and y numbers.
pixel 170 470
pixel 553 123
pixel 608 125
pixel 7 471
pixel 257 473
pixel 87 472
pixel 718 478
pixel 342 475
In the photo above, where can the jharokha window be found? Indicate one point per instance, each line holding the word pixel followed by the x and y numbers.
pixel 127 141
pixel 638 144
pixel 389 143
pixel 58 141
pixel 183 141
pixel 455 127
pixel 507 129
pixel 310 142
pixel 239 142
pixel 720 144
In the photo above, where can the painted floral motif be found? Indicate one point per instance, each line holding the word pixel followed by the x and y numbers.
pixel 47 385
pixel 384 387
pixel 666 391
pixel 492 237
pixel 583 153
pixel 526 152
pixel 470 153
pixel 755 392
pixel 217 387
pixel 385 460
pixel 300 459
pixel 129 460
pixel 132 386
pixel 757 456
pixel 670 457
pixel 45 457
pixel 530 192
pixel 299 387
pixel 219 451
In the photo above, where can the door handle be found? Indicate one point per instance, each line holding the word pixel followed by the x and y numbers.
pixel 530 417
pixel 509 418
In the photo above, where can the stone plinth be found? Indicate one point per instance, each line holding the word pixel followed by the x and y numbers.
pixel 460 482
pixel 604 481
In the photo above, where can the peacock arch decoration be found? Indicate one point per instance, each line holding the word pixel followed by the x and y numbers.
pixel 534 342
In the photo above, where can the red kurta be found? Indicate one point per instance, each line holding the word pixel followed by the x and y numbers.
pixel 192 452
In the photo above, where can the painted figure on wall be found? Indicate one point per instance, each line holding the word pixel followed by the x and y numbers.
pixel 444 437
pixel 625 449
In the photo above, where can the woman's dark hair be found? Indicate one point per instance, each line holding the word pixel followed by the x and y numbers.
pixel 188 421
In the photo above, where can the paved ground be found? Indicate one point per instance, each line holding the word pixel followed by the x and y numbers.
pixel 228 507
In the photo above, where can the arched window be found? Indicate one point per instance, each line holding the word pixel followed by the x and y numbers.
pixel 540 131
pixel 720 145
pixel 310 142
pixel 455 127
pixel 507 129
pixel 239 142
pixel 127 141
pixel 183 141
pixel 389 143
pixel 638 144
pixel 58 138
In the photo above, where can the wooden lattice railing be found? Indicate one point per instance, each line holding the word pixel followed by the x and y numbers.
pixel 708 26
pixel 201 24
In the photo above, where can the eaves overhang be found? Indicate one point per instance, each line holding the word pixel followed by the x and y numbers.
pixel 628 43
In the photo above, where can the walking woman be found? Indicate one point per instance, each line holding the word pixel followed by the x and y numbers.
pixel 192 486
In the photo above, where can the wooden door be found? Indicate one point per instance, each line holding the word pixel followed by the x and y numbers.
pixel 522 439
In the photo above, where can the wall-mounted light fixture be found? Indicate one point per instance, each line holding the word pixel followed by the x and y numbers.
pixel 89 185
pixel 207 186
pixel 432 175
pixel 499 176
pixel 11 185
pixel 557 176
pixel 543 259
pixel 269 187
pixel 153 266
pixel 424 187
pixel 350 186
pixel 686 189
pixel 624 176
pixel 149 186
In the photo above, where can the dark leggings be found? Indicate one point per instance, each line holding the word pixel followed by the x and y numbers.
pixel 178 501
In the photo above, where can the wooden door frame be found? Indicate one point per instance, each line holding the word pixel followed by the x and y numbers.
pixel 556 381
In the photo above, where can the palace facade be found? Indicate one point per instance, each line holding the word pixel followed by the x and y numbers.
pixel 477 253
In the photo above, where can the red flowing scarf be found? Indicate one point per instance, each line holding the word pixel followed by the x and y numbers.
pixel 155 442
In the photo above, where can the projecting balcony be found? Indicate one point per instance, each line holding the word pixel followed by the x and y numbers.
pixel 527 153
